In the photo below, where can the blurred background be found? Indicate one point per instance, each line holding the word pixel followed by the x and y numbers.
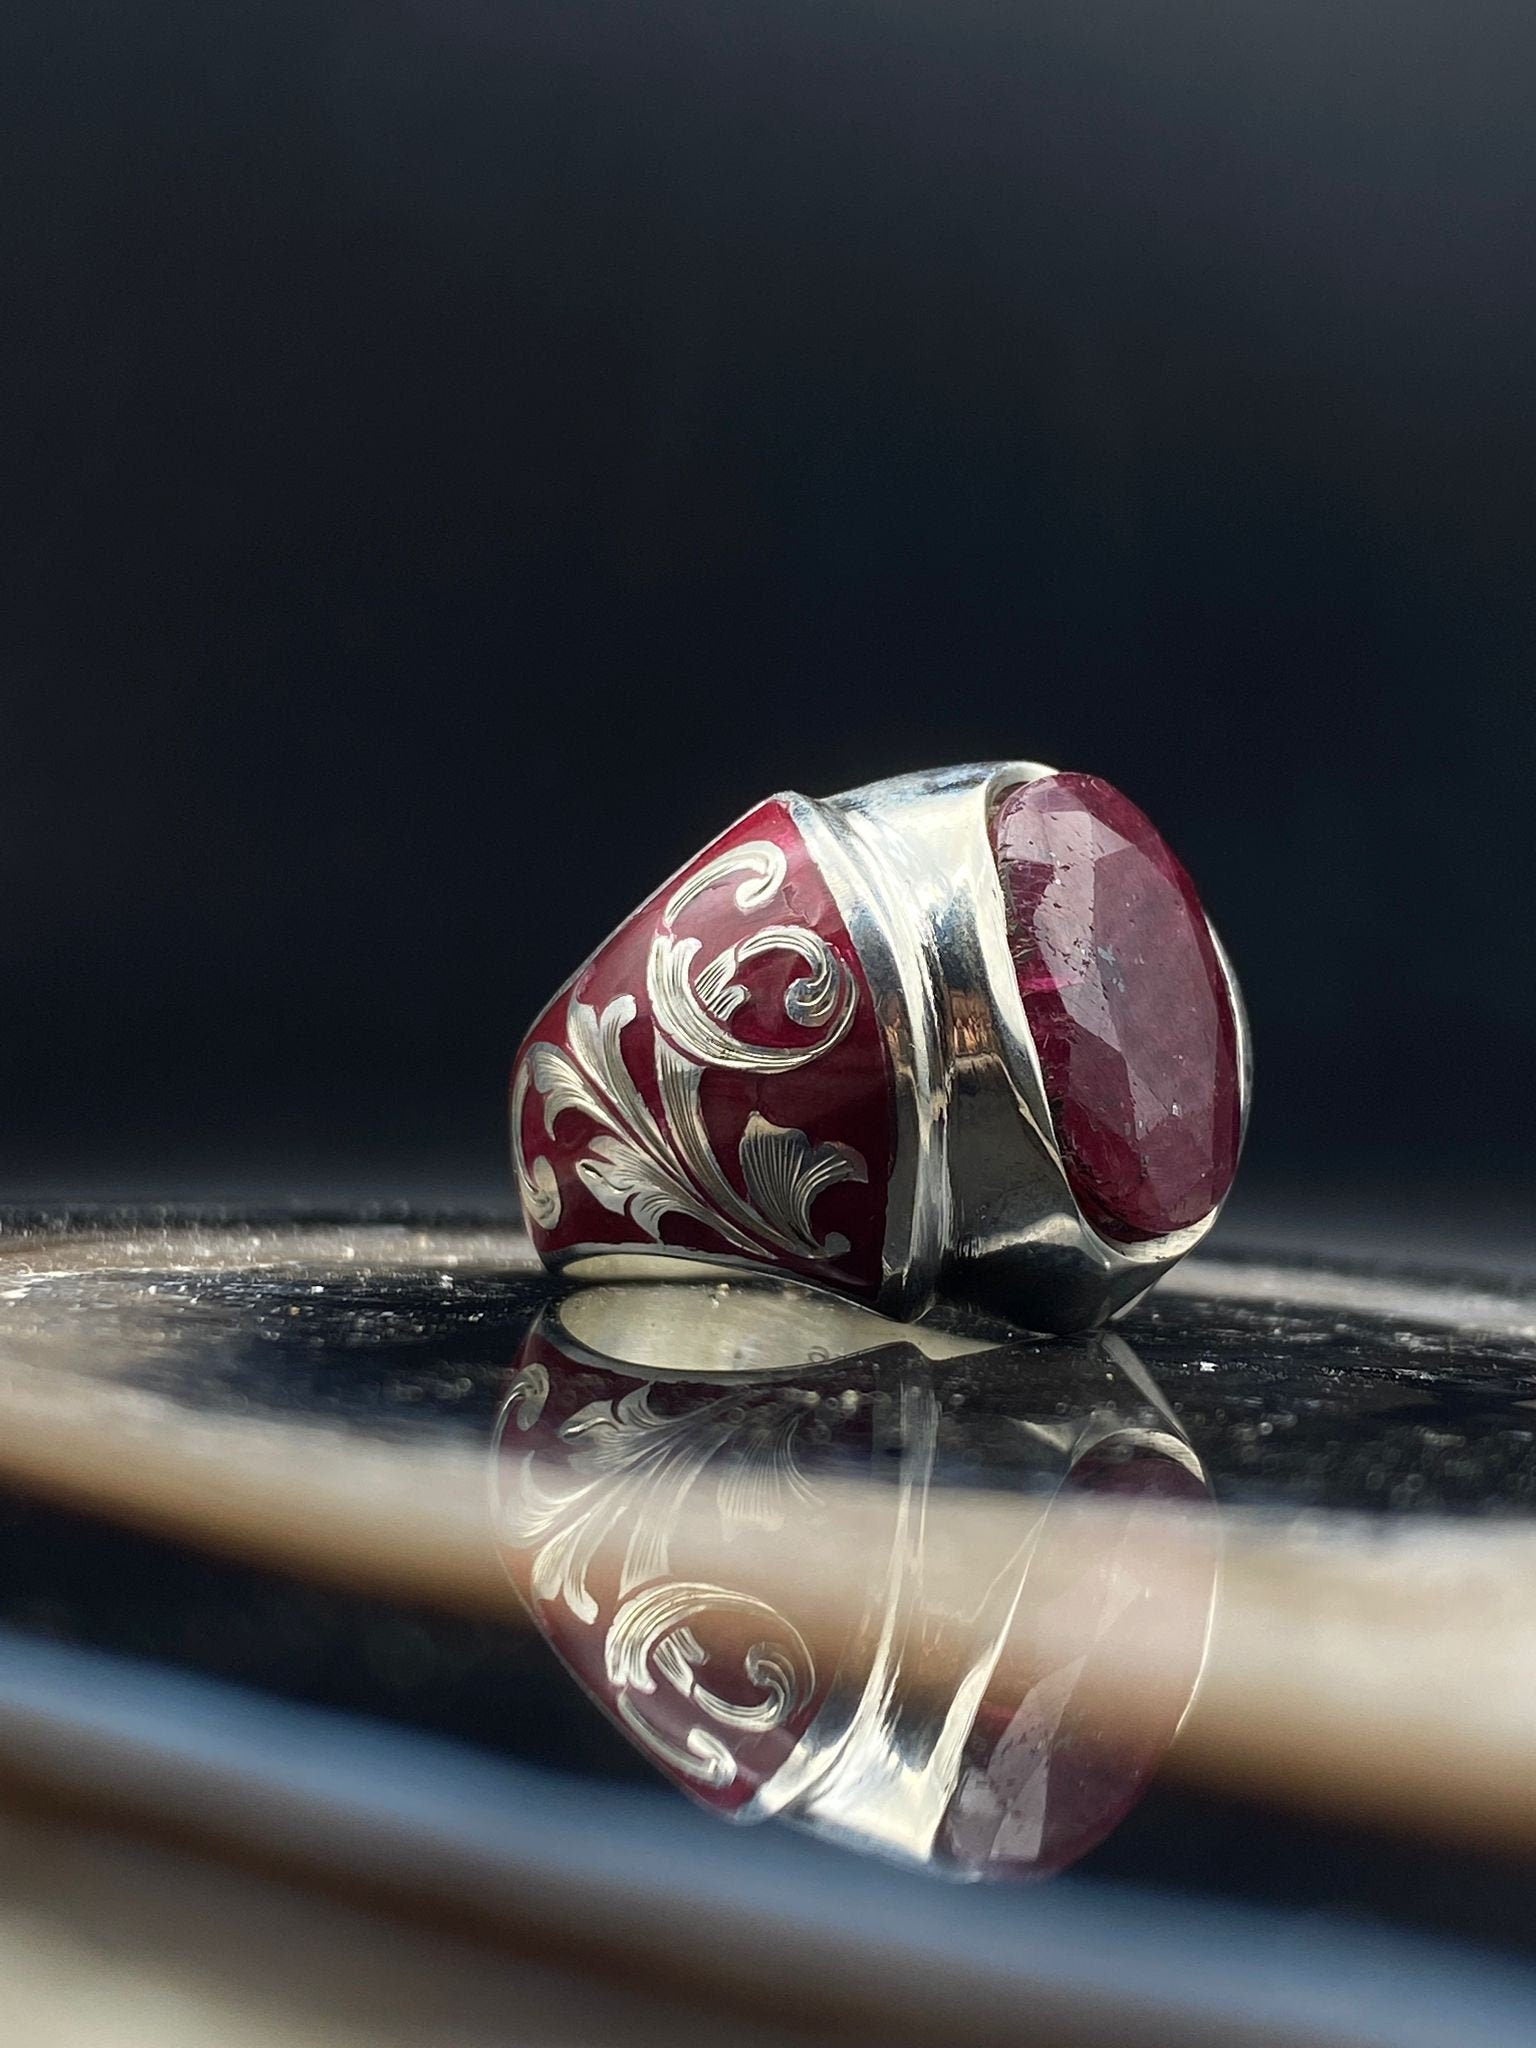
pixel 461 454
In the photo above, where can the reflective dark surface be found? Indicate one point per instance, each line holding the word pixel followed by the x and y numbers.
pixel 815 1563
pixel 1297 1388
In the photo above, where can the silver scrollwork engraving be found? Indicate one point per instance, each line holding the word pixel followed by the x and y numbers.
pixel 536 1182
pixel 647 1168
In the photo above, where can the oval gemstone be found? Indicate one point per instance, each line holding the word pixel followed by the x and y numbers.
pixel 1127 1002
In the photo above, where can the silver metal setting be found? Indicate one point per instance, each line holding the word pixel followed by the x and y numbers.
pixel 980 1205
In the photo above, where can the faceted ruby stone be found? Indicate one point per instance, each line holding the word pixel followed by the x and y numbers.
pixel 1127 1003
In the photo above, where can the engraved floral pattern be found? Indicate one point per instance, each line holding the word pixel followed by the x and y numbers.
pixel 647 1166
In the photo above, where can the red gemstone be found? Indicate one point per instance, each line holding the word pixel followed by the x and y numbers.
pixel 1128 1006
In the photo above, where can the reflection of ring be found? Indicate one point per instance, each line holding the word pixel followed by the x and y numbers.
pixel 967 1030
pixel 747 1519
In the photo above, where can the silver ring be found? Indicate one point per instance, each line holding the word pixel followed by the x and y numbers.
pixel 966 1032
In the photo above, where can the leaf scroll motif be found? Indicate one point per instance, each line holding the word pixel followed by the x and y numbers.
pixel 536 1182
pixel 647 1168
pixel 785 1172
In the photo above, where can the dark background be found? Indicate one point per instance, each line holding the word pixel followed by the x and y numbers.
pixel 460 454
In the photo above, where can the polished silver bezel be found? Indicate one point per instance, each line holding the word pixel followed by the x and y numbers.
pixel 980 1205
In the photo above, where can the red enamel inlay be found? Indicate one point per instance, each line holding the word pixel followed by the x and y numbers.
pixel 1127 1003
pixel 841 1098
